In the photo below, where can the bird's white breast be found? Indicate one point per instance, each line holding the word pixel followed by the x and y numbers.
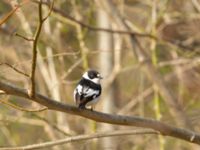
pixel 93 102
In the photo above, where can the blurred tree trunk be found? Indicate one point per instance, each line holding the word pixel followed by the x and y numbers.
pixel 54 87
pixel 105 45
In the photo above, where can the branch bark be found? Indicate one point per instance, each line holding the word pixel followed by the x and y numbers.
pixel 164 129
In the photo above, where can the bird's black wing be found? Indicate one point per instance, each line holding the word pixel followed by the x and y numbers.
pixel 87 92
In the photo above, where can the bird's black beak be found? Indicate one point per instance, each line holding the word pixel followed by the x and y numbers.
pixel 99 76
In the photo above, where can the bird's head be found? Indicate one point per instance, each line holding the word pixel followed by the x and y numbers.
pixel 93 76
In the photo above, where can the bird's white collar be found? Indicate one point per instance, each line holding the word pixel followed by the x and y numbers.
pixel 95 80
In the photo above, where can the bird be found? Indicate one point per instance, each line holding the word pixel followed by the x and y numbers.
pixel 88 89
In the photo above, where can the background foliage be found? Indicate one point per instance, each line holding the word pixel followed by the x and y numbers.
pixel 67 48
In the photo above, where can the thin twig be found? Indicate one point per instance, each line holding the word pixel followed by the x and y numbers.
pixel 54 126
pixel 8 15
pixel 23 37
pixel 6 119
pixel 20 108
pixel 135 100
pixel 69 70
pixel 50 10
pixel 15 69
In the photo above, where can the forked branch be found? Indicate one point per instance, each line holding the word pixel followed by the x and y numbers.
pixel 35 44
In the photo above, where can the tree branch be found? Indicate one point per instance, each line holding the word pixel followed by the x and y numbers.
pixel 21 108
pixel 164 129
pixel 52 125
pixel 35 44
pixel 23 37
pixel 8 15
pixel 15 69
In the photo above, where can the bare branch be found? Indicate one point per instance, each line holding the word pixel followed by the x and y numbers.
pixel 50 10
pixel 7 16
pixel 163 128
pixel 54 126
pixel 35 42
pixel 34 58
pixel 23 37
pixel 20 108
pixel 65 75
pixel 15 69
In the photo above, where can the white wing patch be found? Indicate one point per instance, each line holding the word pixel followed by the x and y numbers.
pixel 86 91
pixel 79 89
pixel 90 92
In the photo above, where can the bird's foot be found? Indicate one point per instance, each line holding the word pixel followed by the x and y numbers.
pixel 81 107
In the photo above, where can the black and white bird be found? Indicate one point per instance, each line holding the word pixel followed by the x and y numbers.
pixel 88 90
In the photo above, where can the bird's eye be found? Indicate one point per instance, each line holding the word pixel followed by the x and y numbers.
pixel 91 75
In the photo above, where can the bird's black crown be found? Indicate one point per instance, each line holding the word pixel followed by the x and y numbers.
pixel 93 74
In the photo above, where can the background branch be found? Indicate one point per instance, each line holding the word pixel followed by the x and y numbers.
pixel 20 108
pixel 84 25
pixel 82 138
pixel 154 75
pixel 15 69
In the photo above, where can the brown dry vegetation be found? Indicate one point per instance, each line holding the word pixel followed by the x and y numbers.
pixel 67 47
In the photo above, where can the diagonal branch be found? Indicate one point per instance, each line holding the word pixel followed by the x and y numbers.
pixel 8 15
pixel 52 125
pixel 23 37
pixel 15 69
pixel 21 108
pixel 164 129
